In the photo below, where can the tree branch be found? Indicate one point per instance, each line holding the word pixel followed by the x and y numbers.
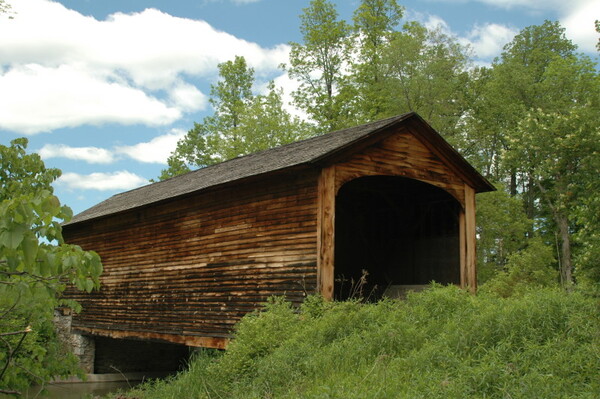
pixel 9 392
pixel 25 331
pixel 12 353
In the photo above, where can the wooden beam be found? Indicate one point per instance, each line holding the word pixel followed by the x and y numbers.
pixel 463 248
pixel 326 232
pixel 188 340
pixel 470 239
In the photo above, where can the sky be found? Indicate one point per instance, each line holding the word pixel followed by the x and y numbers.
pixel 103 89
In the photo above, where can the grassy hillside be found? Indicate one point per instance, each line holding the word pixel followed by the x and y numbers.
pixel 442 343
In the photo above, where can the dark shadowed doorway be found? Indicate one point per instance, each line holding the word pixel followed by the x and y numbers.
pixel 396 234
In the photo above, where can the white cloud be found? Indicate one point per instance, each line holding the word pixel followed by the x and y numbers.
pixel 579 24
pixel 485 40
pixel 433 22
pixel 156 150
pixel 488 40
pixel 576 16
pixel 288 86
pixel 122 180
pixel 63 69
pixel 38 99
pixel 187 97
pixel 87 154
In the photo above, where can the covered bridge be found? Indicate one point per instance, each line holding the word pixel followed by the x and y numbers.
pixel 184 259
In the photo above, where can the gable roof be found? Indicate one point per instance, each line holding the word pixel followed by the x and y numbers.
pixel 306 152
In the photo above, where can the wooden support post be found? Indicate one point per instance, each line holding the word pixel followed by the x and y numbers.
pixel 326 232
pixel 470 239
pixel 463 248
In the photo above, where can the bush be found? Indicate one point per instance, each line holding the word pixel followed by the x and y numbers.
pixel 440 343
pixel 528 268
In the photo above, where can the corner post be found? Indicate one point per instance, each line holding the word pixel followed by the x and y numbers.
pixel 469 259
pixel 326 232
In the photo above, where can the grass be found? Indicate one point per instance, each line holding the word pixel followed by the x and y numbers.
pixel 441 343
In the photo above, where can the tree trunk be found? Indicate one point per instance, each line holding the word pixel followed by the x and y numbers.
pixel 513 184
pixel 566 267
pixel 530 199
pixel 562 222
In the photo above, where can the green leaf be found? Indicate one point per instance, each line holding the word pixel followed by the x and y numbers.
pixel 12 262
pixel 95 265
pixel 67 213
pixel 89 285
pixel 30 248
pixel 13 237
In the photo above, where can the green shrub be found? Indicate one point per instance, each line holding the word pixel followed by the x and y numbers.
pixel 528 268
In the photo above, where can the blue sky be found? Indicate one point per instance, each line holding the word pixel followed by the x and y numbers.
pixel 104 89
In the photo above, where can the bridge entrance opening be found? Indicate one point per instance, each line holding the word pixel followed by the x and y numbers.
pixel 394 234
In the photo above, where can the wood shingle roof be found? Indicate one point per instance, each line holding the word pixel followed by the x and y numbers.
pixel 302 153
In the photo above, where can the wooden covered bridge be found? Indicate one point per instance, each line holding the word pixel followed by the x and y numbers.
pixel 184 259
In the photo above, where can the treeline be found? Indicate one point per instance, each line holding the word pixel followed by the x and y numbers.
pixel 530 123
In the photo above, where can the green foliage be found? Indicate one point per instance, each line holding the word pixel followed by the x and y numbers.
pixel 535 126
pixel 597 24
pixel 441 343
pixel 529 268
pixel 509 90
pixel 41 356
pixel 425 72
pixel 35 267
pixel 375 24
pixel 318 64
pixel 243 123
pixel 587 216
pixel 351 74
pixel 502 229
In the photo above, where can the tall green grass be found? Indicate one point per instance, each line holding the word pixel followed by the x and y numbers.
pixel 441 343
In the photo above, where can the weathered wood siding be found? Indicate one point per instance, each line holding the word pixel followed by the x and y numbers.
pixel 401 154
pixel 187 270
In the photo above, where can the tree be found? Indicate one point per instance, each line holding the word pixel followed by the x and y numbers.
pixel 374 26
pixel 556 148
pixel 425 72
pixel 587 218
pixel 515 87
pixel 535 110
pixel 35 267
pixel 319 65
pixel 502 229
pixel 242 123
pixel 552 145
pixel 528 268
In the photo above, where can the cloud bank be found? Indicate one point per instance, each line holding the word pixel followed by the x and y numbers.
pixel 576 16
pixel 121 180
pixel 155 151
pixel 60 68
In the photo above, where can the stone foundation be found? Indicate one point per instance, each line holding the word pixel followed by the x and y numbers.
pixel 83 346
